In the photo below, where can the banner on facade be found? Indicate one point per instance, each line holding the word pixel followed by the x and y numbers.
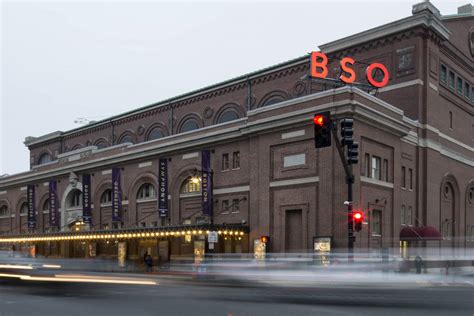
pixel 207 200
pixel 163 188
pixel 53 204
pixel 31 206
pixel 116 195
pixel 86 199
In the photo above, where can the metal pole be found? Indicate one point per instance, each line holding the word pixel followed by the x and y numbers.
pixel 349 181
pixel 350 220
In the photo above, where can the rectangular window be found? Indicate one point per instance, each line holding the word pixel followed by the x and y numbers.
pixel 409 216
pixel 385 169
pixel 451 80
pixel 410 178
pixel 467 91
pixel 236 160
pixel 472 94
pixel 294 160
pixel 115 225
pixel 143 224
pixel 105 226
pixel 402 215
pixel 444 74
pixel 459 85
pixel 225 162
pixel 235 206
pixel 450 119
pixel 154 224
pixel 225 207
pixel 403 178
pixel 376 174
pixel 405 60
pixel 376 222
pixel 367 165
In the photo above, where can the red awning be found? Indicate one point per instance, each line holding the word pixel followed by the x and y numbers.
pixel 420 233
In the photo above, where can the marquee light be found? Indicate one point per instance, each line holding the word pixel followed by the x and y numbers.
pixel 85 236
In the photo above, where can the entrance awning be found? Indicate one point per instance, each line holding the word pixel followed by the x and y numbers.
pixel 420 233
pixel 133 233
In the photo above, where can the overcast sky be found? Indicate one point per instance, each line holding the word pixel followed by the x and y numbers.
pixel 66 60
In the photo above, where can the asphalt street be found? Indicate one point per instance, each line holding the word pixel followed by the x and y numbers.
pixel 189 297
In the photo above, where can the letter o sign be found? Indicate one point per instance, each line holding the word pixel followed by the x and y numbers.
pixel 371 79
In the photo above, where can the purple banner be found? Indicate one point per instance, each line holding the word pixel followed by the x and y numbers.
pixel 31 206
pixel 53 204
pixel 163 188
pixel 86 199
pixel 116 195
pixel 207 199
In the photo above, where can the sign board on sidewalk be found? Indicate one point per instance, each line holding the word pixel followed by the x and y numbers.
pixel 212 237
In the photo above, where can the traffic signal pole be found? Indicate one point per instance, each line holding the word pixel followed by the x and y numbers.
pixel 349 181
pixel 323 128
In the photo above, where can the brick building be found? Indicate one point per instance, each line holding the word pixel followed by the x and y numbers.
pixel 415 167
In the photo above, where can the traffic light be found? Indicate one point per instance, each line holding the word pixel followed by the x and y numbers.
pixel 358 218
pixel 265 239
pixel 347 139
pixel 322 129
pixel 347 132
pixel 353 153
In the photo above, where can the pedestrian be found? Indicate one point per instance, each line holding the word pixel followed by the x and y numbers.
pixel 148 262
pixel 418 264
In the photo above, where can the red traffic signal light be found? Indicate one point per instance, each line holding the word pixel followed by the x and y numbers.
pixel 319 119
pixel 358 218
pixel 322 129
pixel 265 239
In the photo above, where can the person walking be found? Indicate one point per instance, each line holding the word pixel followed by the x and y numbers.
pixel 418 264
pixel 148 262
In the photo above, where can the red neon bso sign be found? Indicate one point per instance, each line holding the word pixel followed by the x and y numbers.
pixel 319 69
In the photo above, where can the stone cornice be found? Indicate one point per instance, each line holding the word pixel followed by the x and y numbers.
pixel 44 140
pixel 422 19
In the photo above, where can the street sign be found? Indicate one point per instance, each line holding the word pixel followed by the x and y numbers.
pixel 212 237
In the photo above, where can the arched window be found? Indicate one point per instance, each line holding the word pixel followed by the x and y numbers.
pixel 76 147
pixel 74 199
pixel 228 116
pixel 189 125
pixel 146 191
pixel 106 197
pixel 191 185
pixel 44 158
pixel 100 145
pixel 127 139
pixel 274 97
pixel 155 134
pixel 46 206
pixel 3 210
pixel 273 100
pixel 24 209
